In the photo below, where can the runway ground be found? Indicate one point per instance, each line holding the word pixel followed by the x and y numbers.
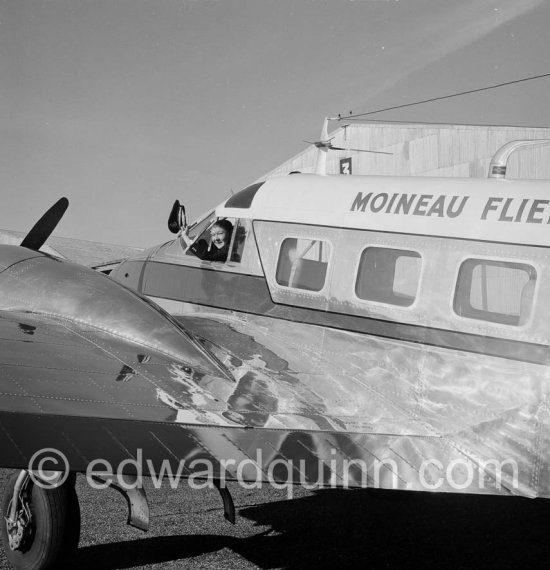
pixel 317 529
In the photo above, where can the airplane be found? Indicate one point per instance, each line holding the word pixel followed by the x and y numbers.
pixel 361 331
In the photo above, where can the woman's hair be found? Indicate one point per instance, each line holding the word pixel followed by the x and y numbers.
pixel 225 225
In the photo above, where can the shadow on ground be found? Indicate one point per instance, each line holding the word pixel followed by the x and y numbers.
pixel 370 528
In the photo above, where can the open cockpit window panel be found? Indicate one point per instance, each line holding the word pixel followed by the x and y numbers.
pixel 201 225
pixel 389 276
pixel 495 291
pixel 303 263
pixel 240 231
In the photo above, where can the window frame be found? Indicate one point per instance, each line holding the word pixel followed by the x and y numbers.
pixel 410 307
pixel 499 262
pixel 321 292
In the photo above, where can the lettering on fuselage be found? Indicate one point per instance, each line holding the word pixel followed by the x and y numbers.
pixel 499 209
pixel 526 210
pixel 411 204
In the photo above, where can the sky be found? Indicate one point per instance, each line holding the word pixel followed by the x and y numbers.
pixel 125 105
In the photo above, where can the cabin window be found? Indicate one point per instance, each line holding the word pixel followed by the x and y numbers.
pixel 495 291
pixel 388 276
pixel 303 263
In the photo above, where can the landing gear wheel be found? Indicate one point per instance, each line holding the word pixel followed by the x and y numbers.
pixel 48 525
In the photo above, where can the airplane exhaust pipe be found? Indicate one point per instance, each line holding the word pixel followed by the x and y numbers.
pixel 497 167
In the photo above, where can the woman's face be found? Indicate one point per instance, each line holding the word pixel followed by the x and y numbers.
pixel 218 236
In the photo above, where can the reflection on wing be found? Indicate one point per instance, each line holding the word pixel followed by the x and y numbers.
pixel 60 389
pixel 90 368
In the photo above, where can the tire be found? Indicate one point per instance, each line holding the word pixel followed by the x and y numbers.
pixel 55 526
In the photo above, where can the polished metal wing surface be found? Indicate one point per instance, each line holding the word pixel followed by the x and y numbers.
pixel 95 371
pixel 432 418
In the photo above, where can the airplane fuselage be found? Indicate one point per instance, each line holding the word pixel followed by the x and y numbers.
pixel 409 309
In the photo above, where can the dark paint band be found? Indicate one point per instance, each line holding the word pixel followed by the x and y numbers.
pixel 250 294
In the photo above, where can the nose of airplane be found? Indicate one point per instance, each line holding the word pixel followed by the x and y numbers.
pixel 35 282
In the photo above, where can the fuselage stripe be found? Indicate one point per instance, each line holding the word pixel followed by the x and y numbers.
pixel 250 295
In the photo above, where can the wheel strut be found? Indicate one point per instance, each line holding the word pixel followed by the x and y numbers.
pixel 41 524
pixel 18 521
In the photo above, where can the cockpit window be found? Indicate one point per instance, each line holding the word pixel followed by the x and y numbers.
pixel 220 237
pixel 303 263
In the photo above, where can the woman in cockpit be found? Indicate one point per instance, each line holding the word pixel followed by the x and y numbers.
pixel 220 239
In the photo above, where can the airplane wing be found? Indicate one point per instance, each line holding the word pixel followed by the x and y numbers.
pixel 91 395
pixel 97 372
pixel 94 395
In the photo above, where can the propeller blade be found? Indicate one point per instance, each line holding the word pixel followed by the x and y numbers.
pixel 359 150
pixel 320 144
pixel 42 230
